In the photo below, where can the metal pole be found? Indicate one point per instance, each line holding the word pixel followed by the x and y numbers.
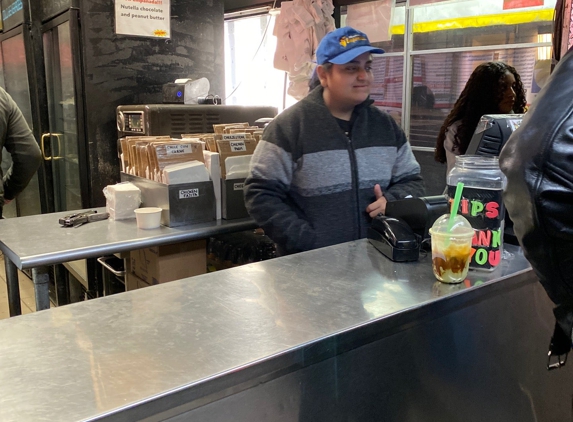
pixel 407 73
pixel 13 287
pixel 41 280
pixel 62 285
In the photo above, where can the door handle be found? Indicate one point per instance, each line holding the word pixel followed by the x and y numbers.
pixel 58 137
pixel 44 136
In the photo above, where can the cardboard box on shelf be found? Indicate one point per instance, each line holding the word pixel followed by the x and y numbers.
pixel 133 282
pixel 141 283
pixel 234 148
pixel 160 264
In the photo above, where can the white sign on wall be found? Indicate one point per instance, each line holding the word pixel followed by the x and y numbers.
pixel 146 18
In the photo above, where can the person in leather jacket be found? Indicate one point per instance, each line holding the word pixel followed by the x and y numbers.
pixel 538 163
pixel 18 140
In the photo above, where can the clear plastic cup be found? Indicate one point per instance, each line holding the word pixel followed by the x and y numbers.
pixel 451 250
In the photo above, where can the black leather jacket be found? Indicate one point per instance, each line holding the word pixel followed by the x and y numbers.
pixel 538 163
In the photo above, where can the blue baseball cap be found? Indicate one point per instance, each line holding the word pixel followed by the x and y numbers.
pixel 343 45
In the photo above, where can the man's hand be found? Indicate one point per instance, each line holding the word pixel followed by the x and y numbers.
pixel 7 201
pixel 378 206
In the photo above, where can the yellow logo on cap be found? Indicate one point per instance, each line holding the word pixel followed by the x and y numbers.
pixel 344 41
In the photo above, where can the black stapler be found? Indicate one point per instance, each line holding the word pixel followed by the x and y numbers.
pixel 394 238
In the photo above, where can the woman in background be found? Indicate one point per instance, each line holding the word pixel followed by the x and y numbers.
pixel 493 88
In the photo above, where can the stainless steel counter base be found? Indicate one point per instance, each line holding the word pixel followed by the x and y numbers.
pixel 335 334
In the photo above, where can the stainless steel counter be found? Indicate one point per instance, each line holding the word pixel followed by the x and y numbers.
pixel 36 241
pixel 39 239
pixel 255 342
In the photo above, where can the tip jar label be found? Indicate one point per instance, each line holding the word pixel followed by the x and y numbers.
pixel 485 211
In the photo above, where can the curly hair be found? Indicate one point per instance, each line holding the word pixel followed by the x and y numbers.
pixel 482 94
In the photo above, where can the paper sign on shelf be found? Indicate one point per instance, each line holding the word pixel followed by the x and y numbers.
pixel 146 18
pixel 178 149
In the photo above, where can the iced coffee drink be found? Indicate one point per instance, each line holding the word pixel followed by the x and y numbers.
pixel 451 248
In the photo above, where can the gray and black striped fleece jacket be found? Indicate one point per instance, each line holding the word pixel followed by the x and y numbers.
pixel 309 184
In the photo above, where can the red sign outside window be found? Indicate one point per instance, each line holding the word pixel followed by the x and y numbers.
pixel 518 4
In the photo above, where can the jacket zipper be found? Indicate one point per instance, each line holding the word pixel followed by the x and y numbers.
pixel 354 174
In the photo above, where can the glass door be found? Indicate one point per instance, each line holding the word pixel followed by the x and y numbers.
pixel 15 81
pixel 64 143
pixel 60 144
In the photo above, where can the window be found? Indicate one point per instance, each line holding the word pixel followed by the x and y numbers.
pixel 438 80
pixel 448 40
pixel 250 78
pixel 477 23
pixel 425 67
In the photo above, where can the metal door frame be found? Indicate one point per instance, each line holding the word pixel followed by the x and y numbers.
pixel 73 17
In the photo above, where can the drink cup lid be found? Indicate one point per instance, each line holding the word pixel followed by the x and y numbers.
pixel 460 228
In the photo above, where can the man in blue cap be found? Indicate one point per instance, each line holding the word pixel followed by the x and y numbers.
pixel 328 165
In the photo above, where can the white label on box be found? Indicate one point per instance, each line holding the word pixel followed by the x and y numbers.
pixel 188 193
pixel 238 186
pixel 238 146
pixel 178 149
pixel 234 136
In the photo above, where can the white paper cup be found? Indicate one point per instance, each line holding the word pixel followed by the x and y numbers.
pixel 148 217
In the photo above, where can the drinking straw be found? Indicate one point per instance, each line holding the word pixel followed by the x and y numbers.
pixel 455 206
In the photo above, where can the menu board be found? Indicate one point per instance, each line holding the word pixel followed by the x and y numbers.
pixel 12 13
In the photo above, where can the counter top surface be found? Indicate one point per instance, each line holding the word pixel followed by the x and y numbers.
pixel 94 358
pixel 40 240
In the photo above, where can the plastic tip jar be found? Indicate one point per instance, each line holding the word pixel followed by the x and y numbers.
pixel 482 205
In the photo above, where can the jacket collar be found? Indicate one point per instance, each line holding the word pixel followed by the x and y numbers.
pixel 315 97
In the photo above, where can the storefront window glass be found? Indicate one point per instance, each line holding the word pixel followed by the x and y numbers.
pixel 250 78
pixel 471 23
pixel 388 85
pixel 448 40
pixel 438 80
pixel 417 86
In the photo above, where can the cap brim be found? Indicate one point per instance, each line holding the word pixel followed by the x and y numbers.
pixel 355 52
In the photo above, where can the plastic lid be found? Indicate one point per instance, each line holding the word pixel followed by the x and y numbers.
pixel 460 228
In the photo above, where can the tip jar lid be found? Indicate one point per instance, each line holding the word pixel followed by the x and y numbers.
pixel 460 228
pixel 477 161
